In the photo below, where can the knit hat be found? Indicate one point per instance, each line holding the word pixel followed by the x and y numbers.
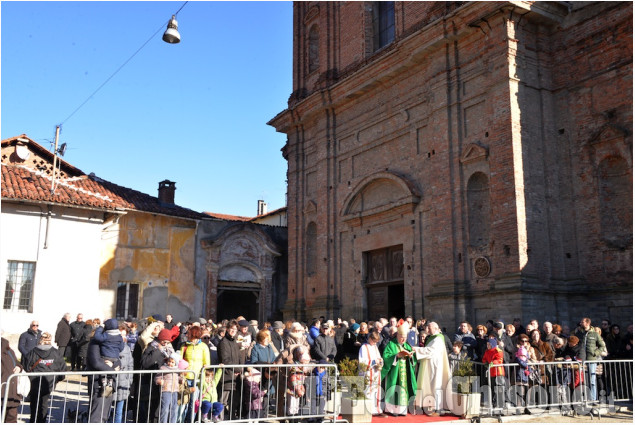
pixel 183 365
pixel 176 357
pixel 278 325
pixel 45 339
pixel 354 326
pixel 492 342
pixel 111 324
pixel 522 351
pixel 165 335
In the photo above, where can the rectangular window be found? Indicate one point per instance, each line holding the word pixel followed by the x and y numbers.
pixel 384 23
pixel 18 290
pixel 127 300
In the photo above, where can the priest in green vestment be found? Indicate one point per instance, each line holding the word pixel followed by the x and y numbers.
pixel 399 373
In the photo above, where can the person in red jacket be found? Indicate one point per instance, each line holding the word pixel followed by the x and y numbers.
pixel 495 356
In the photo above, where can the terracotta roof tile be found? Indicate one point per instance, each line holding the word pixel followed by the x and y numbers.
pixel 19 182
pixel 227 216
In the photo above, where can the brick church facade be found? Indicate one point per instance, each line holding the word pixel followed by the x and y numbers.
pixel 460 160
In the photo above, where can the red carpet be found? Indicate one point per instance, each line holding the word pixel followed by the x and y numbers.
pixel 408 419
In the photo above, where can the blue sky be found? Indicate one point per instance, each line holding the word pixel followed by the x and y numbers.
pixel 194 112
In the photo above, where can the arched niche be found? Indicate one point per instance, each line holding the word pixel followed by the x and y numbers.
pixel 380 193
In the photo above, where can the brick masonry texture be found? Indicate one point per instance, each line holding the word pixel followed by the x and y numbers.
pixel 536 97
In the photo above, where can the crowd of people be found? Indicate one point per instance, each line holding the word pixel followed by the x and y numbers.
pixel 400 359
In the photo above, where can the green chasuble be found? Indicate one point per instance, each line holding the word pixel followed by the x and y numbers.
pixel 400 379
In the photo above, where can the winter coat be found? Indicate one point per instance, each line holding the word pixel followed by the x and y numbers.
pixel 110 342
pixel 494 356
pixel 27 342
pixel 593 343
pixel 614 344
pixel 252 395
pixel 276 340
pixel 8 362
pixel 324 348
pixel 522 372
pixel 169 380
pixel 124 381
pixel 44 358
pixel 209 391
pixel 349 349
pixel 543 351
pixel 262 355
pixel 196 355
pixel 131 339
pixel 77 330
pixel 152 359
pixel 229 355
pixel 575 353
pixel 63 333
pixel 83 341
pixel 469 343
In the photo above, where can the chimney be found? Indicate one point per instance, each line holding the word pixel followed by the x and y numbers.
pixel 262 207
pixel 166 192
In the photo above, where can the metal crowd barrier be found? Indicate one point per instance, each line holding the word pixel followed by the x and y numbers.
pixel 569 387
pixel 273 396
pixel 92 396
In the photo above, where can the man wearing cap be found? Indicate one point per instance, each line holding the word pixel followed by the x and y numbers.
pixel 253 329
pixel 509 349
pixel 398 373
pixel 324 348
pixel 434 372
pixel 243 338
pixel 276 335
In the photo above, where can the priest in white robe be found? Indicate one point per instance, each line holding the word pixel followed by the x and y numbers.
pixel 434 372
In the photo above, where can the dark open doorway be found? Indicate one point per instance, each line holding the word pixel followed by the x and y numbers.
pixel 232 304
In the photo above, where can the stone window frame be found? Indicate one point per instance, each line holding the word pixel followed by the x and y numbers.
pixel 614 232
pixel 19 286
pixel 311 255
pixel 313 48
pixel 478 238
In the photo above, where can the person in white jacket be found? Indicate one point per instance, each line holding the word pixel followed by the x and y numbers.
pixel 370 365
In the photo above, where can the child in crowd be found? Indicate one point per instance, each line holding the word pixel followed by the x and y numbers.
pixel 523 371
pixel 110 340
pixel 295 382
pixel 110 345
pixel 210 396
pixel 253 394
pixel 318 392
pixel 184 392
pixel 170 381
pixel 456 355
pixel 133 335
